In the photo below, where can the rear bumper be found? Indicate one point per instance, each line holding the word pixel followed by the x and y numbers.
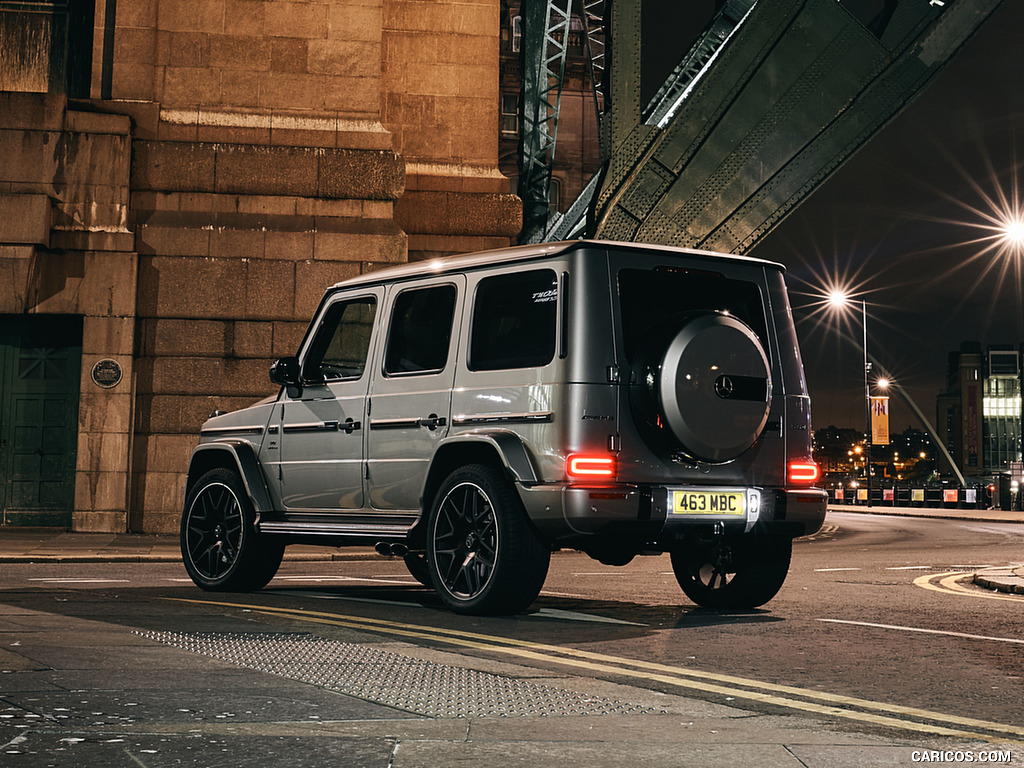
pixel 565 512
pixel 804 507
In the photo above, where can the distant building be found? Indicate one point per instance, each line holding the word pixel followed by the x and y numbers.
pixel 980 414
pixel 908 458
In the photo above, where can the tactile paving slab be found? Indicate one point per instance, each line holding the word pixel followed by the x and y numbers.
pixel 404 682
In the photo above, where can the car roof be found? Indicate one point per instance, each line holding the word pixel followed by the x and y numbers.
pixel 519 253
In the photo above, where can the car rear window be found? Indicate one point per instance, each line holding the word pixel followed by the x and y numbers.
pixel 658 301
pixel 514 321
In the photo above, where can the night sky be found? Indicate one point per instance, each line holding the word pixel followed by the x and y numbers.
pixel 903 224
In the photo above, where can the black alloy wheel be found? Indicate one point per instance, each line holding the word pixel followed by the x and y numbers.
pixel 220 547
pixel 732 572
pixel 484 556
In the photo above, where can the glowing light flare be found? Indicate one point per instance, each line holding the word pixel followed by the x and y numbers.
pixel 1013 232
pixel 838 298
pixel 838 307
pixel 833 304
pixel 996 252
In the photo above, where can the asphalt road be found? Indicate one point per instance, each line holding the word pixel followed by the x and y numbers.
pixel 874 637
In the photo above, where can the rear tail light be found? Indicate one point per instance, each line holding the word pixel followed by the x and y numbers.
pixel 582 466
pixel 803 471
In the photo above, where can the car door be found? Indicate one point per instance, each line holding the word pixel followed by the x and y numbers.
pixel 410 399
pixel 322 422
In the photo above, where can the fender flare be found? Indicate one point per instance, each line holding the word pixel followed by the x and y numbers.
pixel 465 447
pixel 509 447
pixel 232 454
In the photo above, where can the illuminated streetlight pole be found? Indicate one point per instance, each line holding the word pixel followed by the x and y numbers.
pixel 839 301
pixel 867 398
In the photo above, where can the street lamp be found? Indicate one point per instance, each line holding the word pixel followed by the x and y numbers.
pixel 1013 233
pixel 838 299
pixel 867 397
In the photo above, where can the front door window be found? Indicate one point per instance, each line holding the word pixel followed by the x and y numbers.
pixel 321 442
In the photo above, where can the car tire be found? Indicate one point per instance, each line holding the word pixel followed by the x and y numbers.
pixel 220 546
pixel 418 568
pixel 484 557
pixel 732 572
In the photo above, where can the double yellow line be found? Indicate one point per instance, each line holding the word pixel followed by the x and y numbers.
pixel 948 583
pixel 783 696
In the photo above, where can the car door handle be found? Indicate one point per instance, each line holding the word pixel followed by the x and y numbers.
pixel 348 426
pixel 433 421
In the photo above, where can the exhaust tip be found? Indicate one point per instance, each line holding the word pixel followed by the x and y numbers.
pixel 390 549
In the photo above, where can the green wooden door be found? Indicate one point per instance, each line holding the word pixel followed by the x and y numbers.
pixel 40 370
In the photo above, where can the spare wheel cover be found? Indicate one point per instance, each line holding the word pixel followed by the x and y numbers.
pixel 715 387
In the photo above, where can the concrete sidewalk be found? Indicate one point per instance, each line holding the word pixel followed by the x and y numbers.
pixel 943 513
pixel 47 545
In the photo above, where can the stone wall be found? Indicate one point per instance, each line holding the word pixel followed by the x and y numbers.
pixel 65 249
pixel 440 66
pixel 258 151
pixel 261 174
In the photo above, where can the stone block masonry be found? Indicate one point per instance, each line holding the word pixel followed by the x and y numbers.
pixel 233 158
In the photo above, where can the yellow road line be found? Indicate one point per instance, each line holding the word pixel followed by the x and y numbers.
pixel 948 585
pixel 708 682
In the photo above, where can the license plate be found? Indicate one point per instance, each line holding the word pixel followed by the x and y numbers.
pixel 709 502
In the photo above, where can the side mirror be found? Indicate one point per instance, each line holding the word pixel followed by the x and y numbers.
pixel 285 371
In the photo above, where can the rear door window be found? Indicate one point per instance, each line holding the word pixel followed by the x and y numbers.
pixel 421 331
pixel 514 321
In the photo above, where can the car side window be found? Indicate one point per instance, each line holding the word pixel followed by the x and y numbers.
pixel 341 344
pixel 421 331
pixel 514 321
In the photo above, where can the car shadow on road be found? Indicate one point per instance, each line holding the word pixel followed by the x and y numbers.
pixel 625 617
pixel 654 616
pixel 550 618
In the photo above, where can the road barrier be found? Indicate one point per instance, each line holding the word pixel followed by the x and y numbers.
pixel 941 497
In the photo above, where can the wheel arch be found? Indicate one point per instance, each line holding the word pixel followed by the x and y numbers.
pixel 238 456
pixel 503 450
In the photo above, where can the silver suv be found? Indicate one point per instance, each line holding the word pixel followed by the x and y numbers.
pixel 473 414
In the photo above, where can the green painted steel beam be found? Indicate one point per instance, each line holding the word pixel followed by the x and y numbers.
pixel 792 92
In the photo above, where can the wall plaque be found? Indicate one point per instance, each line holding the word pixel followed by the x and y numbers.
pixel 106 373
